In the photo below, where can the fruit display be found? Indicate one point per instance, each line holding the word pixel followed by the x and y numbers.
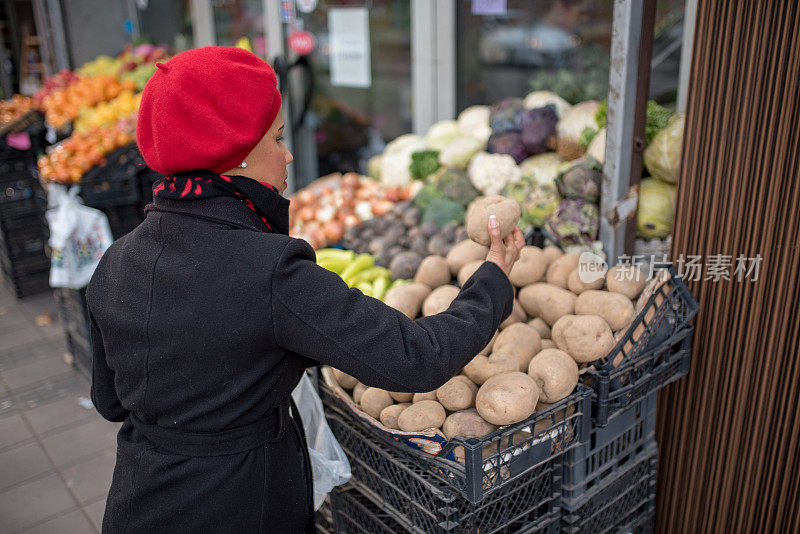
pixel 68 161
pixel 101 66
pixel 53 83
pixel 321 212
pixel 108 113
pixel 14 108
pixel 64 105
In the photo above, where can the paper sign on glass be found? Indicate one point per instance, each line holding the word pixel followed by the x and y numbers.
pixel 489 7
pixel 349 42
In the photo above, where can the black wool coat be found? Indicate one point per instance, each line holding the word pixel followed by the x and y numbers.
pixel 202 324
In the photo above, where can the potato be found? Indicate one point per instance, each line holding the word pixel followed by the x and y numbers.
pixel 584 337
pixel 480 369
pixel 548 344
pixel 374 400
pixel 467 424
pixel 518 315
pixel 421 416
pixel 626 279
pixel 390 414
pixel 552 253
pixel 458 393
pixel 439 300
pixel 488 348
pixel 506 210
pixel 433 272
pixel 401 397
pixel 468 270
pixel 430 395
pixel 577 286
pixel 521 341
pixel 530 267
pixel 556 374
pixel 546 301
pixel 615 308
pixel 407 298
pixel 358 391
pixel 559 270
pixel 404 264
pixel 508 398
pixel 463 253
pixel 540 326
pixel 344 380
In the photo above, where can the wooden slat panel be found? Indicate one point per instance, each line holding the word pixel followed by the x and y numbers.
pixel 729 434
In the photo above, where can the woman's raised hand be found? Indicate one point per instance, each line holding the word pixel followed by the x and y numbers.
pixel 504 252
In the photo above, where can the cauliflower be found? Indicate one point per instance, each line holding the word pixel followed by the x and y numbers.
pixel 539 99
pixel 405 143
pixel 396 160
pixel 440 134
pixel 541 169
pixel 490 173
pixel 474 121
pixel 457 154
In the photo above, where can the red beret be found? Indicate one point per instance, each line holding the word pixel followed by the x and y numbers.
pixel 206 108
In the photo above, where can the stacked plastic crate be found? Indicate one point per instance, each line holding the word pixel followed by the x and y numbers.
pixel 610 480
pixel 508 481
pixel 23 231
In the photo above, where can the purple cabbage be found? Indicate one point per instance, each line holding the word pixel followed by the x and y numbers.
pixel 503 115
pixel 538 128
pixel 575 222
pixel 582 181
pixel 510 143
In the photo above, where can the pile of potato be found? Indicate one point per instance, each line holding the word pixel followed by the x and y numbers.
pixel 558 326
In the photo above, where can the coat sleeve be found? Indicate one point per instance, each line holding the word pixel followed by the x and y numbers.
pixel 103 392
pixel 317 316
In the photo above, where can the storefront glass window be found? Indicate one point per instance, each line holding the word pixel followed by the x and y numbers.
pixel 167 22
pixel 555 45
pixel 667 45
pixel 240 23
pixel 354 117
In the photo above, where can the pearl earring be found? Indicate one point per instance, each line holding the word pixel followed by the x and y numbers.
pixel 243 165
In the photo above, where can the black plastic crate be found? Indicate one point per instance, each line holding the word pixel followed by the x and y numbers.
pixel 624 503
pixel 631 382
pixel 23 213
pixel 510 477
pixel 21 267
pixel 609 449
pixel 356 513
pixel 115 182
pixel 323 518
pixel 16 164
pixel 81 350
pixel 27 285
pixel 27 242
pixel 353 513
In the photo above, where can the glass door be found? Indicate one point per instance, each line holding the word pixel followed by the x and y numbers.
pixel 360 65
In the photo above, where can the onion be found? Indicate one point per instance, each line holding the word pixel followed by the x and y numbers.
pixel 381 207
pixel 351 179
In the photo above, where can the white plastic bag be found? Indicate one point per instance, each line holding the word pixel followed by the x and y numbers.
pixel 79 236
pixel 329 464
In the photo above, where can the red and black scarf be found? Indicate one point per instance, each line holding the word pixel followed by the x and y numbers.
pixel 264 199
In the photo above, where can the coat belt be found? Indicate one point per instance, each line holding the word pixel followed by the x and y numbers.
pixel 232 441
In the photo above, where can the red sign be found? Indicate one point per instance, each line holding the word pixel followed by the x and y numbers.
pixel 302 43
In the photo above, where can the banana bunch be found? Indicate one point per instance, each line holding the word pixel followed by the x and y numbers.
pixel 357 270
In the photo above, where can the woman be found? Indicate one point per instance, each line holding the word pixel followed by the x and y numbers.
pixel 204 318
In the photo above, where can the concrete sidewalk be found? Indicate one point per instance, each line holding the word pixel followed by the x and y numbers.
pixel 56 452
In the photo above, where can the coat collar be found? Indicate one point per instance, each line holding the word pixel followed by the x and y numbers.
pixel 222 209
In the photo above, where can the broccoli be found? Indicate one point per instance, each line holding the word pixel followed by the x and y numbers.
pixel 587 135
pixel 426 196
pixel 455 185
pixel 424 163
pixel 444 211
pixel 657 119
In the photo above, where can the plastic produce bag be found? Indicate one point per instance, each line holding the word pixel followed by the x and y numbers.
pixel 329 464
pixel 79 236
